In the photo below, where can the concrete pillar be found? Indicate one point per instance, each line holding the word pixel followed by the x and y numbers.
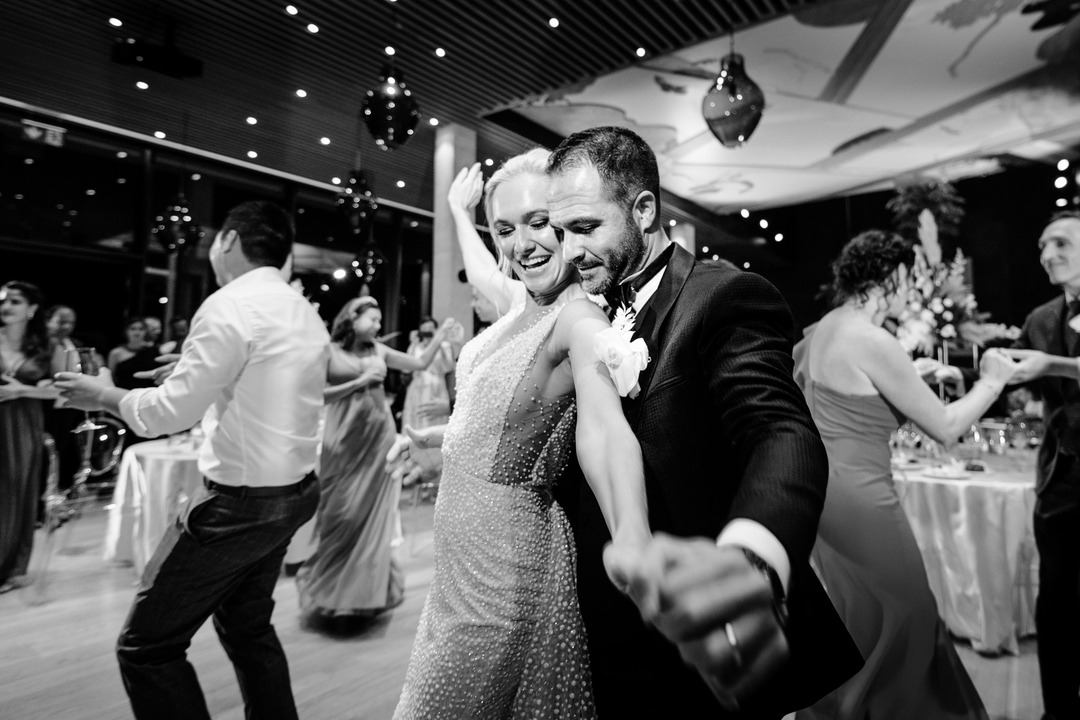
pixel 685 235
pixel 455 148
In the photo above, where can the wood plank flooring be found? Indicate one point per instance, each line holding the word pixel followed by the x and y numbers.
pixel 57 662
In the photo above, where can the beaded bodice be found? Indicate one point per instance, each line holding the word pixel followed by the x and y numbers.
pixel 503 429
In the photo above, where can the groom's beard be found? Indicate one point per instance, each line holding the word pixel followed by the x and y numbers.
pixel 625 259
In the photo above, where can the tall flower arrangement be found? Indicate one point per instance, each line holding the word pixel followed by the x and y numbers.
pixel 942 307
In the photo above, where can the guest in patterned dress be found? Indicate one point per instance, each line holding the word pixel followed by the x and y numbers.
pixel 353 572
pixel 24 363
pixel 501 633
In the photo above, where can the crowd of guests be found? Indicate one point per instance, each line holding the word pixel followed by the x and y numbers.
pixel 602 547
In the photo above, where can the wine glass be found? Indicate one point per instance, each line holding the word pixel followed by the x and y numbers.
pixel 83 360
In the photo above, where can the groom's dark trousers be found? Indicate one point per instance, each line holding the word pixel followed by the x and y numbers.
pixel 222 557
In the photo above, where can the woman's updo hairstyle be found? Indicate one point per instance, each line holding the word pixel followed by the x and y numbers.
pixel 868 261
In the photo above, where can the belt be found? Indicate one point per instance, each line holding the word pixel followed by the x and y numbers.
pixel 260 492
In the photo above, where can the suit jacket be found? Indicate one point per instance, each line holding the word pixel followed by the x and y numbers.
pixel 1044 329
pixel 725 433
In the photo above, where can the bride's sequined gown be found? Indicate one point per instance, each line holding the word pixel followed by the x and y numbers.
pixel 501 634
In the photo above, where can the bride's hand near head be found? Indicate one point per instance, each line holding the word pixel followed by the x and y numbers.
pixel 466 190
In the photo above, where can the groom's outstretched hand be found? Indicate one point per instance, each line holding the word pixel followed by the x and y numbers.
pixel 712 604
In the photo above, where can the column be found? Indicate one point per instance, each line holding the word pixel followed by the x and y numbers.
pixel 455 148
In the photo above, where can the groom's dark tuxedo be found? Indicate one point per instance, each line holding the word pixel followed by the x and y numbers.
pixel 1057 512
pixel 725 433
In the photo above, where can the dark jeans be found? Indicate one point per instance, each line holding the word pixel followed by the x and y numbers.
pixel 222 557
pixel 1057 608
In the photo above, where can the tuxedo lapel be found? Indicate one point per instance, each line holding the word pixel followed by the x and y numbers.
pixel 652 316
pixel 1063 339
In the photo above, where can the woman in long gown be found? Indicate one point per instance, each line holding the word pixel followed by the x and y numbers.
pixel 24 363
pixel 352 571
pixel 501 634
pixel 861 386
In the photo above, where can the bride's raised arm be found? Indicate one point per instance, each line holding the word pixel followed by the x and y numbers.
pixel 481 269
pixel 607 449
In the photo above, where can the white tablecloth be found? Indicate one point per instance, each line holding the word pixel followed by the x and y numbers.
pixel 978 543
pixel 154 482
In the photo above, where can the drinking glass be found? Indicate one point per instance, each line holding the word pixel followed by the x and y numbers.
pixel 83 360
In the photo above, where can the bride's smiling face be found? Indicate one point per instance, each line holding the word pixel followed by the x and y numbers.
pixel 520 223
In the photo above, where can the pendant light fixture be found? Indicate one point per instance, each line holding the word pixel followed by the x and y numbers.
pixel 390 111
pixel 174 228
pixel 734 104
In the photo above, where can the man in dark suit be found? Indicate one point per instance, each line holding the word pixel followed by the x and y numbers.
pixel 1052 343
pixel 735 470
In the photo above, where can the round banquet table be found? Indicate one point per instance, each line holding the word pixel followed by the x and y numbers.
pixel 977 541
pixel 155 480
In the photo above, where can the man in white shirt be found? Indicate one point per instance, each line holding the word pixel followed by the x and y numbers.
pixel 253 369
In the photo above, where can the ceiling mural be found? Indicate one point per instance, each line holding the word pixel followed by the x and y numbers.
pixel 859 94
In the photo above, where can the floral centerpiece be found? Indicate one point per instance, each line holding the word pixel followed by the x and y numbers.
pixel 942 307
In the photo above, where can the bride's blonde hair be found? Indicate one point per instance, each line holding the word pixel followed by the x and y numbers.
pixel 533 162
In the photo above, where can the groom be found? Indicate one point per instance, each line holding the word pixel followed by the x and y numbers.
pixel 735 470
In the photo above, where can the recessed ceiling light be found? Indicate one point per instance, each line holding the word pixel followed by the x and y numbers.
pixel 715 257
pixel 389 50
pixel 116 22
pixel 764 223
pixel 433 121
pixel 196 177
pixel 312 28
pixel 18 196
pixel 641 52
pixel 163 300
pixel 439 52
pixel 746 265
pixel 252 154
pixel 121 154
pixel 142 86
pixel 489 162
pixel 251 121
pixel 291 9
pixel 779 237
pixel 324 287
pixel 671 222
pixel 339 274
pixel 301 93
pixel 121 181
pixel 554 22
pixel 401 183
pixel 1060 182
pixel 1061 202
pixel 745 213
pixel 414 223
pixel 1063 165
pixel 325 140
pixel 705 249
pixel 335 180
pixel 91 192
pixel 28 161
pixel 159 135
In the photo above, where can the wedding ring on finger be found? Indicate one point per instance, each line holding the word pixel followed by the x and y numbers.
pixel 733 641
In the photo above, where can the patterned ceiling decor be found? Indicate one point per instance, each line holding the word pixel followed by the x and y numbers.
pixel 859 92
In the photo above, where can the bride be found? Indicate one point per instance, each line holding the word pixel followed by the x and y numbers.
pixel 501 633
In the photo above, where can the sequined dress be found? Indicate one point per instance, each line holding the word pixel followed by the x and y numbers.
pixel 501 634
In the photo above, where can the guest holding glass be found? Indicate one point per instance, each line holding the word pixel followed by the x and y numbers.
pixel 24 366
pixel 134 341
pixel 353 572
pixel 860 386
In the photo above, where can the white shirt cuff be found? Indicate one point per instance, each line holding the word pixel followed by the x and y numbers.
pixel 755 537
pixel 129 411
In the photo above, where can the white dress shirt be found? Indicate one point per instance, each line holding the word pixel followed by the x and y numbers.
pixel 253 369
pixel 743 532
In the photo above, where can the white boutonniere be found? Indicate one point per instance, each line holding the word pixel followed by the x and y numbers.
pixel 625 358
pixel 1075 323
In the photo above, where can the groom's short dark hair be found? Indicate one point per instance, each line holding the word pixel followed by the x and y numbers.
pixel 626 164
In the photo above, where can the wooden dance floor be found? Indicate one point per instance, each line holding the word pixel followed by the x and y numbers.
pixel 57 662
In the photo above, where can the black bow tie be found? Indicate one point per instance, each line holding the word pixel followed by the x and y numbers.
pixel 624 294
